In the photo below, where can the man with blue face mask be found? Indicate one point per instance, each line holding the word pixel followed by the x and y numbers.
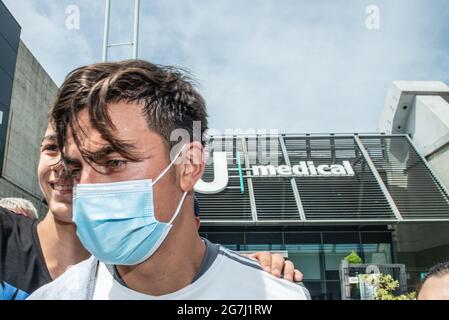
pixel 133 195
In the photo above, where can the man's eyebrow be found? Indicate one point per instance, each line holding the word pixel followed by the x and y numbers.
pixel 102 152
pixel 51 137
pixel 91 156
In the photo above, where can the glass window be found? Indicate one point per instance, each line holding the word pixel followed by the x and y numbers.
pixel 377 253
pixel 376 237
pixel 263 237
pixel 306 257
pixel 334 254
pixel 341 237
pixel 262 247
pixel 302 237
pixel 225 237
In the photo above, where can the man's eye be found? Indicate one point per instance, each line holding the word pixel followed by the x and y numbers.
pixel 116 163
pixel 50 147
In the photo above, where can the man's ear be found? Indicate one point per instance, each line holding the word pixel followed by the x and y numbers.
pixel 193 163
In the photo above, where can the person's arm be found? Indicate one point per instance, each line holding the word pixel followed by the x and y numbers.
pixel 275 264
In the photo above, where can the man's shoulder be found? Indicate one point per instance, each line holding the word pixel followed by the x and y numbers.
pixel 71 285
pixel 238 260
pixel 246 273
pixel 12 223
pixel 10 219
pixel 16 231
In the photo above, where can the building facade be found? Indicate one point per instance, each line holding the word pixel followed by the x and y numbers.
pixel 318 198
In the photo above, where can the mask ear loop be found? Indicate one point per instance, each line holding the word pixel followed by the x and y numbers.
pixel 178 209
pixel 169 166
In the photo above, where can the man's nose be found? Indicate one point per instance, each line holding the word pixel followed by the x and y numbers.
pixel 60 170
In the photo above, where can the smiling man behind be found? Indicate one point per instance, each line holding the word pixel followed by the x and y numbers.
pixel 133 201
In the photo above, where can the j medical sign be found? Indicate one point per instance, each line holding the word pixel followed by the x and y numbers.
pixel 304 169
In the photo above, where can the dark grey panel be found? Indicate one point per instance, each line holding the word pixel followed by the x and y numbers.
pixel 5 88
pixel 9 28
pixel 2 151
pixel 9 44
pixel 8 57
pixel 4 122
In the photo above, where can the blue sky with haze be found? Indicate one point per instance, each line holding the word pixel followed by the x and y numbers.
pixel 296 66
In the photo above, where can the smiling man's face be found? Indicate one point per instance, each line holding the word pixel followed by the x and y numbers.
pixel 56 188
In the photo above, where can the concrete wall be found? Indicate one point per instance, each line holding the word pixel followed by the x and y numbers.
pixel 33 93
pixel 422 245
pixel 421 236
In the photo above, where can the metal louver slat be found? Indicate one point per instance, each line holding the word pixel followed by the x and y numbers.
pixel 331 198
pixel 414 189
pixel 274 196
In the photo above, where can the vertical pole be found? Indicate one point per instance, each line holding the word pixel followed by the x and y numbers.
pixel 301 212
pixel 252 198
pixel 136 28
pixel 239 166
pixel 106 30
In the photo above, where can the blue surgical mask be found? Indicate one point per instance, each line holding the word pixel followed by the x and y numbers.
pixel 116 222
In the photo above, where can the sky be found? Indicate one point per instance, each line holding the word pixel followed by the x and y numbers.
pixel 321 66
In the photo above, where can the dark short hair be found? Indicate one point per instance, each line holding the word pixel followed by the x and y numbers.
pixel 438 270
pixel 170 101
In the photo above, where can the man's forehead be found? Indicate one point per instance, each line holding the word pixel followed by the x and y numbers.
pixel 126 118
pixel 94 145
pixel 129 125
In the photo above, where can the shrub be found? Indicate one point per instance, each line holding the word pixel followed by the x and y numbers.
pixel 353 258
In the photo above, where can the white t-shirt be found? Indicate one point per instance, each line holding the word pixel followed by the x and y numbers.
pixel 228 277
